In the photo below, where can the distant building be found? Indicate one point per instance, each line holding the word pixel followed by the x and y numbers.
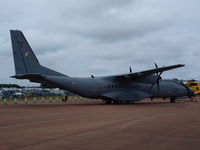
pixel 30 92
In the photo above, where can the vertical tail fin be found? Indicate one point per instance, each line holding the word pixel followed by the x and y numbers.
pixel 25 60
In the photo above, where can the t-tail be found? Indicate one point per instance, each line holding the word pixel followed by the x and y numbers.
pixel 26 63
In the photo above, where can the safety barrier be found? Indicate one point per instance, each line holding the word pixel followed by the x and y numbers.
pixel 42 100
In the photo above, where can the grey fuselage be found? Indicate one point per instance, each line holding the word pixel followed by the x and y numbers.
pixel 96 87
pixel 127 87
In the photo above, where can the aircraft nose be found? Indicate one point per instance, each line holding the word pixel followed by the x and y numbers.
pixel 190 92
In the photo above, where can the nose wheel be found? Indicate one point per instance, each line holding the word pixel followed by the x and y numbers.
pixel 172 100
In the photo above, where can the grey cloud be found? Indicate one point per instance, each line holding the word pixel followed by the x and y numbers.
pixel 80 38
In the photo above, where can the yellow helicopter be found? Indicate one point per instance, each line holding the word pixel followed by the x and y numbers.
pixel 194 85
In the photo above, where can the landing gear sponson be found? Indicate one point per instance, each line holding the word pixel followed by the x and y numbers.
pixel 117 102
pixel 172 100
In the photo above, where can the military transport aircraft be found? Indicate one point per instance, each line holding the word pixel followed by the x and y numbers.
pixel 118 89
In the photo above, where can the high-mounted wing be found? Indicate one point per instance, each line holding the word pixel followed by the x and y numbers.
pixel 145 73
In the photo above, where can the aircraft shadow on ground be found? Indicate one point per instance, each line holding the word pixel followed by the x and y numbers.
pixel 103 104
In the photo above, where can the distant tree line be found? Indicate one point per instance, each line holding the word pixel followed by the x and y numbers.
pixel 9 86
pixel 45 85
pixel 42 85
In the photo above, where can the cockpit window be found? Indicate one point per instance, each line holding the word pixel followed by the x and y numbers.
pixel 193 84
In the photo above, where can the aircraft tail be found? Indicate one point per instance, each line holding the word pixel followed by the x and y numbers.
pixel 26 63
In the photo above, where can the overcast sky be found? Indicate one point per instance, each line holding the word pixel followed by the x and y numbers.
pixel 104 37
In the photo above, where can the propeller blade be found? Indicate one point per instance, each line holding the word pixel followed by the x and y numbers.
pixel 158 86
pixel 156 65
pixel 156 68
pixel 130 69
pixel 160 74
pixel 152 86
pixel 157 80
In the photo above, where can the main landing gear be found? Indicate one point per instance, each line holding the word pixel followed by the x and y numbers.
pixel 108 101
pixel 172 100
pixel 118 102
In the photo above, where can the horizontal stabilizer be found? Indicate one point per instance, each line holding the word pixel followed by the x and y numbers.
pixel 27 76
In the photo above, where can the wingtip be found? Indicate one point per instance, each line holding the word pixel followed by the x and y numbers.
pixel 182 65
pixel 179 65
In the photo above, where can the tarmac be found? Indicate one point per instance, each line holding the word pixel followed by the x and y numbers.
pixel 92 125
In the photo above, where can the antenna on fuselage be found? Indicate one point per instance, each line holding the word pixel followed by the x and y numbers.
pixel 130 70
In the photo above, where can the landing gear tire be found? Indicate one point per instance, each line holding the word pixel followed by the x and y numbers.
pixel 172 100
pixel 114 102
pixel 108 101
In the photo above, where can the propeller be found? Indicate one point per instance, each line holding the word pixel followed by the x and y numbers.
pixel 157 80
